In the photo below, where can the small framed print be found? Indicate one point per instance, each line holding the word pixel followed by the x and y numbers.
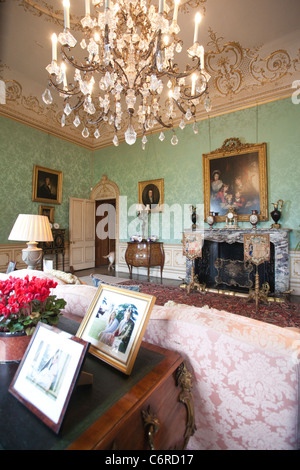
pixel 151 194
pixel 48 211
pixel 47 374
pixel 115 324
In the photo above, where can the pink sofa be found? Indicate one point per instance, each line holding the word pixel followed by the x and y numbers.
pixel 245 372
pixel 246 376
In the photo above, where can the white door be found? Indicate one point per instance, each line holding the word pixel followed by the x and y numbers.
pixel 82 233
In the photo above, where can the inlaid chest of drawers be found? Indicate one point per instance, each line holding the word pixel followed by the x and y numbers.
pixel 145 254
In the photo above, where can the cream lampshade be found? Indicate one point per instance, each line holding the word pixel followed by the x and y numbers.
pixel 35 228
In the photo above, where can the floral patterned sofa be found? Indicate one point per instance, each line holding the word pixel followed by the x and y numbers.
pixel 245 372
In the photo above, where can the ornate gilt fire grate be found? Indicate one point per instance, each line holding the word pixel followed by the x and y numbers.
pixel 233 273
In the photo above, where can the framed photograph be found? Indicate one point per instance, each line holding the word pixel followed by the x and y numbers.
pixel 48 211
pixel 11 267
pixel 47 185
pixel 48 372
pixel 151 193
pixel 235 176
pixel 114 325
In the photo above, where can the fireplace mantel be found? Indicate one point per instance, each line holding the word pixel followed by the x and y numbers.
pixel 278 237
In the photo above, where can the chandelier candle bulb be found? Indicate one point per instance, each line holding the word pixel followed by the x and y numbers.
pixel 106 4
pixel 197 21
pixel 194 78
pixel 161 7
pixel 201 57
pixel 176 10
pixel 65 83
pixel 54 47
pixel 87 8
pixel 66 5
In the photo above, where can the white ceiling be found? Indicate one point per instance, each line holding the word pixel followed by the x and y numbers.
pixel 252 54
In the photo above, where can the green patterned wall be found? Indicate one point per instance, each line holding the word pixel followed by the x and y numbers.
pixel 22 147
pixel 276 123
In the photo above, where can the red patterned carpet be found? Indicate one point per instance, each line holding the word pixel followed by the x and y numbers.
pixel 284 314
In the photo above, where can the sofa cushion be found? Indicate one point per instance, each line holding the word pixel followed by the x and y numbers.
pixel 67 278
pixel 21 273
pixel 97 280
pixel 78 297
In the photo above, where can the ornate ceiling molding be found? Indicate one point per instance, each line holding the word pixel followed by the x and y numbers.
pixel 235 69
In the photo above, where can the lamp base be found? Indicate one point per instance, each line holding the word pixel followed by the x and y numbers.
pixel 32 255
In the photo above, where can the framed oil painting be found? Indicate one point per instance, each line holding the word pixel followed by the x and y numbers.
pixel 235 176
pixel 114 325
pixel 151 193
pixel 48 211
pixel 46 185
pixel 48 372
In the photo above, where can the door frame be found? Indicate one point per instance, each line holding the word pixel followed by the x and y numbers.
pixel 107 189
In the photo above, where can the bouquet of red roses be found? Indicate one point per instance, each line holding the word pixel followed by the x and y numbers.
pixel 25 302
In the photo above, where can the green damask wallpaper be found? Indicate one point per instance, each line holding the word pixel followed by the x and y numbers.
pixel 22 147
pixel 276 123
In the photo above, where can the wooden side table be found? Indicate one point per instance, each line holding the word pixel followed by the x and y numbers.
pixel 145 254
pixel 56 247
pixel 152 409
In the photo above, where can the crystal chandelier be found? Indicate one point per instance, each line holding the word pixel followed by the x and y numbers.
pixel 127 57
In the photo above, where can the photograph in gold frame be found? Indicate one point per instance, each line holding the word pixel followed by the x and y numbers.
pixel 46 185
pixel 152 193
pixel 114 325
pixel 235 176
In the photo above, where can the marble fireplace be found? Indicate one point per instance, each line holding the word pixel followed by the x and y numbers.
pixel 228 243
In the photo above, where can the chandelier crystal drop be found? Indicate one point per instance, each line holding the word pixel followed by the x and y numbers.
pixel 125 69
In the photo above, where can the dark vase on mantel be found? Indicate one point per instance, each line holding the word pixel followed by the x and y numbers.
pixel 194 217
pixel 276 213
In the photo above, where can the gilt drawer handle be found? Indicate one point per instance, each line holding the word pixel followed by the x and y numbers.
pixel 151 426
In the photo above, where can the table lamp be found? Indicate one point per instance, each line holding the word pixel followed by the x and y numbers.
pixel 35 228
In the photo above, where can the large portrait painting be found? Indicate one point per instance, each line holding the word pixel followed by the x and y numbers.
pixel 235 176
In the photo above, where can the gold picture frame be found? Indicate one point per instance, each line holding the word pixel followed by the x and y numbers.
pixel 235 176
pixel 46 185
pixel 48 211
pixel 114 325
pixel 157 188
